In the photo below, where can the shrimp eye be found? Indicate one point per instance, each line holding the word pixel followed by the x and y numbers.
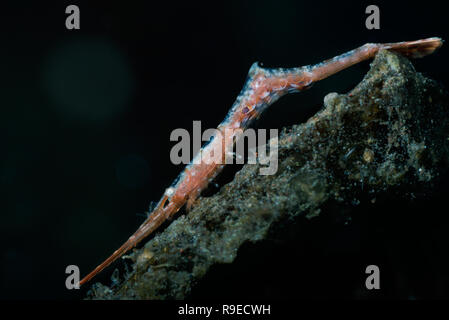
pixel 246 110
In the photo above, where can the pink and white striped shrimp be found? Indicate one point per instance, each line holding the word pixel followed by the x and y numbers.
pixel 262 88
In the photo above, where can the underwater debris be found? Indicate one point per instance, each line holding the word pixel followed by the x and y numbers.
pixel 387 136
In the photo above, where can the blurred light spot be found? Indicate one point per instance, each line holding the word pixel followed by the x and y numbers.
pixel 132 171
pixel 88 80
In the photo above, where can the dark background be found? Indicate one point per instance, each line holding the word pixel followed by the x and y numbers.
pixel 86 117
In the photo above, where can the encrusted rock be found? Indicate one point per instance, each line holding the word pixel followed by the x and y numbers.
pixel 389 135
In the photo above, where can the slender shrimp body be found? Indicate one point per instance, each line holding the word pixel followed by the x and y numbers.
pixel 263 87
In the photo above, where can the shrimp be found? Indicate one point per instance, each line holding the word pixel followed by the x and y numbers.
pixel 262 88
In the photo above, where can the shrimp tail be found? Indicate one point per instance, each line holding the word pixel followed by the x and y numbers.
pixel 416 49
pixel 411 49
